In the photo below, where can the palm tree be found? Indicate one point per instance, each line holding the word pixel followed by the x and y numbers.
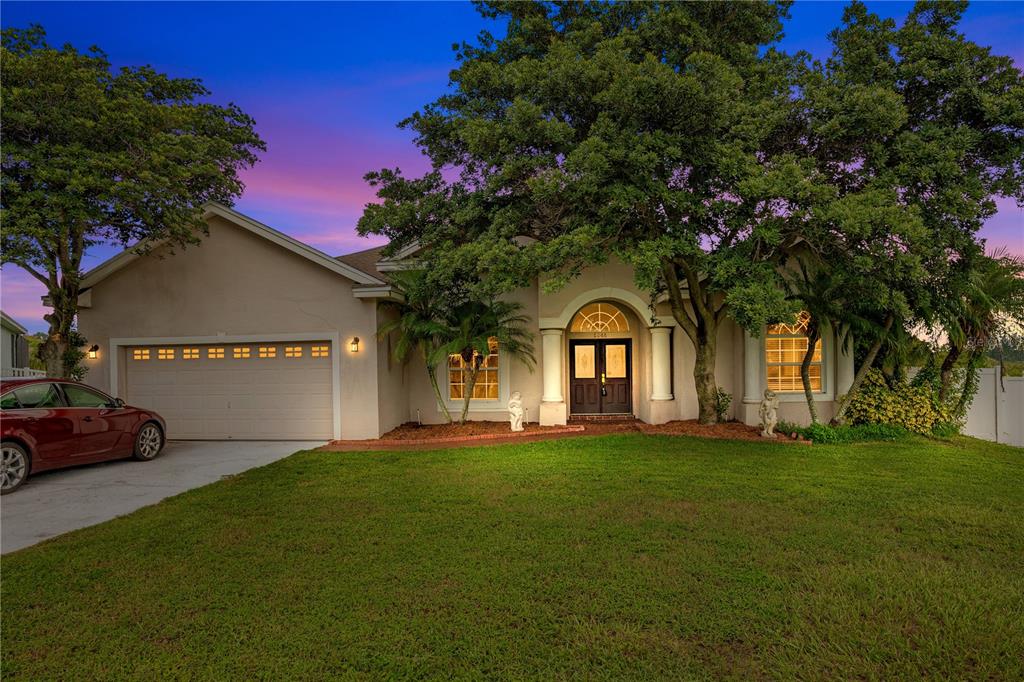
pixel 475 327
pixel 820 295
pixel 992 301
pixel 421 323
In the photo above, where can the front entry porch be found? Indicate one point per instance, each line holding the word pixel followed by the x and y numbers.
pixel 606 355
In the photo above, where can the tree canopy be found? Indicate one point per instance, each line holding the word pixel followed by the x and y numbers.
pixel 676 137
pixel 96 155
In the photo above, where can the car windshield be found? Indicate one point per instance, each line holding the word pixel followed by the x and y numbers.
pixel 38 396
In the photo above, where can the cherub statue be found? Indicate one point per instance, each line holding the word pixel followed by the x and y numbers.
pixel 515 411
pixel 769 413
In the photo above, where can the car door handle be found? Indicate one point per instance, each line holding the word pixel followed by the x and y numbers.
pixel 87 419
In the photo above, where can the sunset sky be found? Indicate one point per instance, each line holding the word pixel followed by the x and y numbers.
pixel 327 84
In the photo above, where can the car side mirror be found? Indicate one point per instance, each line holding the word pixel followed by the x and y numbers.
pixel 120 403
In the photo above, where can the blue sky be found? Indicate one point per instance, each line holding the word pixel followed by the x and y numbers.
pixel 328 82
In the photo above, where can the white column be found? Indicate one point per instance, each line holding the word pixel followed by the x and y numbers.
pixel 551 359
pixel 661 363
pixel 844 364
pixel 751 368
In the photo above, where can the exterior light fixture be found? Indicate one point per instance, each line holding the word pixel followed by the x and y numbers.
pixel 94 352
pixel 354 346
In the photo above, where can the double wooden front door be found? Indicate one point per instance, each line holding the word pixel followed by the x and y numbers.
pixel 600 376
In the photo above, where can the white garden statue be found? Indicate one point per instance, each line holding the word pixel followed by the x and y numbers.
pixel 769 413
pixel 515 411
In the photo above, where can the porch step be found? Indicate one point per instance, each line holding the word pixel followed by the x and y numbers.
pixel 584 418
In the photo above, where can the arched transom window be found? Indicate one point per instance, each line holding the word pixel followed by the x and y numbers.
pixel 599 317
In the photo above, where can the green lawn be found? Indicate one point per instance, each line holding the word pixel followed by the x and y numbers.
pixel 606 557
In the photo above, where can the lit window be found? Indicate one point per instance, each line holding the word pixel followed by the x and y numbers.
pixel 486 387
pixel 268 352
pixel 165 354
pixel 241 352
pixel 599 317
pixel 320 351
pixel 189 353
pixel 785 345
pixel 140 354
pixel 293 351
pixel 215 353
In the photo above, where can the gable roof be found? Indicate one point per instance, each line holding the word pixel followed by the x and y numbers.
pixel 11 323
pixel 109 267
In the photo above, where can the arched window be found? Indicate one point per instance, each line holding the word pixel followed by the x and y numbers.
pixel 785 346
pixel 599 317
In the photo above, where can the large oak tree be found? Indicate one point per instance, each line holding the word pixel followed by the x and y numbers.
pixel 95 155
pixel 637 129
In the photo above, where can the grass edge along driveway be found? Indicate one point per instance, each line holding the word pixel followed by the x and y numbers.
pixel 614 556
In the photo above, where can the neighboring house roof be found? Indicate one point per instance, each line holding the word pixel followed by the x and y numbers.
pixel 11 323
pixel 365 261
pixel 109 267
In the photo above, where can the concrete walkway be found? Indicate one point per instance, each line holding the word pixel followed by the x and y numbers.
pixel 56 502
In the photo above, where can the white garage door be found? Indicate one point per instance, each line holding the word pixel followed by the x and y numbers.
pixel 236 390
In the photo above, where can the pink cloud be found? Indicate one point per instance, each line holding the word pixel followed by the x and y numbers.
pixel 21 297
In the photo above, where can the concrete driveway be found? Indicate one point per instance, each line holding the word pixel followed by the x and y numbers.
pixel 56 502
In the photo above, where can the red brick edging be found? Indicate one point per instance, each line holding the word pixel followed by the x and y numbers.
pixel 397 442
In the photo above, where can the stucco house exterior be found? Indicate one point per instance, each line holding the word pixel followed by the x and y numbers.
pixel 255 335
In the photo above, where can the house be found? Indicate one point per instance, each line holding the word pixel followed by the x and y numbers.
pixel 255 335
pixel 14 357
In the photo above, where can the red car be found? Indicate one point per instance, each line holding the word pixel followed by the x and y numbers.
pixel 55 423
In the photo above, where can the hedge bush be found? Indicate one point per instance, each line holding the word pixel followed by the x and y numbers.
pixel 913 406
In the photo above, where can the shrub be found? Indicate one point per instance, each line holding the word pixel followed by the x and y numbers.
pixel 829 435
pixel 722 401
pixel 914 406
pixel 945 429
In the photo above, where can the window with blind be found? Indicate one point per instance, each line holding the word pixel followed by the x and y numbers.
pixel 486 387
pixel 784 348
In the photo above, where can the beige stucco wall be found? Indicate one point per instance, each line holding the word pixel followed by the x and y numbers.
pixel 392 389
pixel 238 283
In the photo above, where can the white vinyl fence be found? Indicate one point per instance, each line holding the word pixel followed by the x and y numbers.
pixel 997 413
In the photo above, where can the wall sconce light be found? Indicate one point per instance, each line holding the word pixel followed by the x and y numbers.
pixel 94 352
pixel 354 346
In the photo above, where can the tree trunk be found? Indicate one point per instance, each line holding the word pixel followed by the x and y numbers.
pixel 60 359
pixel 970 387
pixel 432 373
pixel 805 372
pixel 702 330
pixel 946 371
pixel 862 371
pixel 468 388
pixel 704 381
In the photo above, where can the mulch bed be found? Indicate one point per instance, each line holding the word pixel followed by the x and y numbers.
pixel 412 436
pixel 730 430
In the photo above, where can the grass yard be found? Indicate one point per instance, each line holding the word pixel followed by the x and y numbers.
pixel 616 556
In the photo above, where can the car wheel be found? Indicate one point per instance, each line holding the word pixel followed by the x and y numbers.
pixel 148 442
pixel 14 466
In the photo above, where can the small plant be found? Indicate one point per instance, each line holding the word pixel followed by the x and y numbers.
pixel 823 434
pixel 723 399
pixel 945 429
